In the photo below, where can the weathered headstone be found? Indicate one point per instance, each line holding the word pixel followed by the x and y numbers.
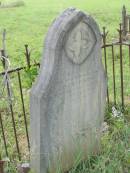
pixel 68 99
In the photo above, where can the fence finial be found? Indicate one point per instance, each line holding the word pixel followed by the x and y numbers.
pixel 27 55
pixel 124 9
pixel 124 21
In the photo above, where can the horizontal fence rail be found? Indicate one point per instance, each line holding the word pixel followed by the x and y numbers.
pixel 14 104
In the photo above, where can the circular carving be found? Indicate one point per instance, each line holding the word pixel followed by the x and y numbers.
pixel 80 43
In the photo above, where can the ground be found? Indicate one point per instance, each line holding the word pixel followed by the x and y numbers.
pixel 28 25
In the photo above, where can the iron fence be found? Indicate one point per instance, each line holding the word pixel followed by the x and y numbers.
pixel 14 108
pixel 117 66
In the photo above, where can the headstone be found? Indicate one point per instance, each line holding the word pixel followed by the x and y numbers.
pixel 68 99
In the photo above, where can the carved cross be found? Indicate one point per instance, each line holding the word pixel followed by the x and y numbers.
pixel 78 42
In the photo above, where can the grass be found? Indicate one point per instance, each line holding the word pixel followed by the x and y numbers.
pixel 28 25
pixel 115 154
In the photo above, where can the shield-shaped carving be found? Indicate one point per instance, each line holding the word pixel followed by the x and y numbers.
pixel 80 43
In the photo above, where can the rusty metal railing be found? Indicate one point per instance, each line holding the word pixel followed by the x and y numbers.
pixel 121 44
pixel 10 110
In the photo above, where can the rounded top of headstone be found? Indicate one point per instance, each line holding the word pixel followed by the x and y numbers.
pixel 77 34
pixel 66 22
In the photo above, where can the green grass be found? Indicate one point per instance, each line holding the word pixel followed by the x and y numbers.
pixel 28 25
pixel 115 155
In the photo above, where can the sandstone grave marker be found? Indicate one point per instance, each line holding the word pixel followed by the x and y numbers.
pixel 68 98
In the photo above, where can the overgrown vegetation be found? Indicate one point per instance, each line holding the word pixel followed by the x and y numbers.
pixel 115 149
pixel 114 155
